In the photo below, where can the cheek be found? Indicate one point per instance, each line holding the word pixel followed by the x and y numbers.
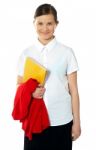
pixel 52 29
pixel 37 28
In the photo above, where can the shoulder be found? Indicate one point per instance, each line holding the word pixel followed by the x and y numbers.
pixel 64 48
pixel 27 50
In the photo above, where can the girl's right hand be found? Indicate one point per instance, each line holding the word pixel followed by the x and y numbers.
pixel 39 92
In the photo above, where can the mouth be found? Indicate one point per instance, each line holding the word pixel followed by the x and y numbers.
pixel 45 33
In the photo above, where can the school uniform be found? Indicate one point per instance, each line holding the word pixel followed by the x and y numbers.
pixel 59 61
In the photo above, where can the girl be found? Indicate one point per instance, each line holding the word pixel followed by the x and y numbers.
pixel 60 92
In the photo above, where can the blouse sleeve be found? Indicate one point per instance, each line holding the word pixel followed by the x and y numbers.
pixel 72 64
pixel 20 65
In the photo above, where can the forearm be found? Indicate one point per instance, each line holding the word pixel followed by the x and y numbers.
pixel 73 89
pixel 75 106
pixel 19 80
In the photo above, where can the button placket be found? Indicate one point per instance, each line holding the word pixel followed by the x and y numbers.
pixel 45 63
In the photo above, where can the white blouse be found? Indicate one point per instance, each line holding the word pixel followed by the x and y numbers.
pixel 59 61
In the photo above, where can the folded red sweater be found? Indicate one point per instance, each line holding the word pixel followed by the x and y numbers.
pixel 31 112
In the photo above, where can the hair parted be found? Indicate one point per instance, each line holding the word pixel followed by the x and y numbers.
pixel 46 9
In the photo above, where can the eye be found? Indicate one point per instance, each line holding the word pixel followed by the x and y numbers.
pixel 49 23
pixel 40 23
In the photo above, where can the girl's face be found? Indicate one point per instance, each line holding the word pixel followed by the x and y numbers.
pixel 45 26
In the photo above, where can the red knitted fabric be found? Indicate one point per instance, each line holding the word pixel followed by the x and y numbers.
pixel 31 112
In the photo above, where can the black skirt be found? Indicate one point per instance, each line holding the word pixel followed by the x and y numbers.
pixel 53 138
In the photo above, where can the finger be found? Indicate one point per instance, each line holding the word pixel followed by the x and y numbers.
pixel 40 97
pixel 40 85
pixel 73 137
pixel 41 94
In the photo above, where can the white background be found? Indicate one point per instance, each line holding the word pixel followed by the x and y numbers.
pixel 77 29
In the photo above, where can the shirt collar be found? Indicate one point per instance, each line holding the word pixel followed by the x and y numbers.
pixel 48 46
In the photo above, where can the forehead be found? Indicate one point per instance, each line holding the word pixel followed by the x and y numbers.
pixel 45 18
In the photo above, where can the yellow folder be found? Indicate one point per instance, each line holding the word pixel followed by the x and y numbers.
pixel 34 70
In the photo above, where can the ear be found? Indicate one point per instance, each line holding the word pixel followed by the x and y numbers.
pixel 57 22
pixel 33 21
pixel 56 25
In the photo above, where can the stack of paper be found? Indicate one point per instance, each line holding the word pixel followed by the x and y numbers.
pixel 34 70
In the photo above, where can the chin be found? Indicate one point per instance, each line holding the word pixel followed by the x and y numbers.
pixel 46 38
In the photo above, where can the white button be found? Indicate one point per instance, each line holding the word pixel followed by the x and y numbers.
pixel 44 55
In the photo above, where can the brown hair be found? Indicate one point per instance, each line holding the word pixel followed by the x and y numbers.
pixel 46 9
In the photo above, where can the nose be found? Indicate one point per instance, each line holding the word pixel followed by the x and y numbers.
pixel 45 28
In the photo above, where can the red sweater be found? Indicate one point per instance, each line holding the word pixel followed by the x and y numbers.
pixel 31 112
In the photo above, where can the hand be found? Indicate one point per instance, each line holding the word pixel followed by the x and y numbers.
pixel 76 130
pixel 39 92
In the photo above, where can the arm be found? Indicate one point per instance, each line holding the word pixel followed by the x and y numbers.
pixel 73 89
pixel 38 93
pixel 19 80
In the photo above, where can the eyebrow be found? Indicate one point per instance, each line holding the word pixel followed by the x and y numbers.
pixel 42 21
